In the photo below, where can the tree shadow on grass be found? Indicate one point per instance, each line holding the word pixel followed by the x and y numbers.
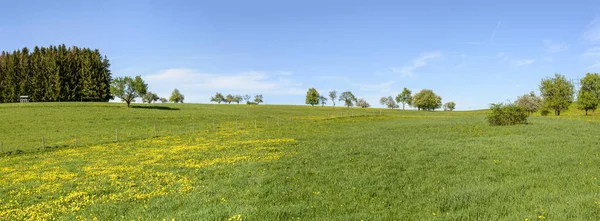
pixel 155 107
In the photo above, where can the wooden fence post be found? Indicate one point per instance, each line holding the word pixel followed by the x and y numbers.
pixel 117 134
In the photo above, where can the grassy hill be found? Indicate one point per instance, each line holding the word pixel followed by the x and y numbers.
pixel 296 162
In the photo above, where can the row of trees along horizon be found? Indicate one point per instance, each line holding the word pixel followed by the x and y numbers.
pixel 558 94
pixel 424 100
pixel 60 73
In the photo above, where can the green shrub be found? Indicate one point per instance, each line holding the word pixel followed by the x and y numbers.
pixel 507 114
pixel 544 112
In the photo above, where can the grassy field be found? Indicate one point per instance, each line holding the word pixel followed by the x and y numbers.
pixel 306 163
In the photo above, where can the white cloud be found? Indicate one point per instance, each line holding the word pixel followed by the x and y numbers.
pixel 520 63
pixel 408 70
pixel 592 32
pixel 553 47
pixel 198 86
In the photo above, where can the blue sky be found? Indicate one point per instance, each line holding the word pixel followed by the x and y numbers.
pixel 470 52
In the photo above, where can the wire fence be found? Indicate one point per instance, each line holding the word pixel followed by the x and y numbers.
pixel 137 129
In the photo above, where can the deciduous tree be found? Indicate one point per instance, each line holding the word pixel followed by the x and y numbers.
pixel 405 97
pixel 312 96
pixel 323 100
pixel 176 96
pixel 362 103
pixel 333 96
pixel 348 98
pixel 588 97
pixel 217 98
pixel 530 102
pixel 258 99
pixel 388 102
pixel 427 100
pixel 150 97
pixel 450 106
pixel 127 88
pixel 557 93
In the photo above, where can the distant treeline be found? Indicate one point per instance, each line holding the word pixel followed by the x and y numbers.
pixel 55 73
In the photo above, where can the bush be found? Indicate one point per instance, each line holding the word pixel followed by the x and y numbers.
pixel 507 114
pixel 544 112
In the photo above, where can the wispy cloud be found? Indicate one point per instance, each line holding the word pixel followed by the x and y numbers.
pixel 554 47
pixel 494 32
pixel 473 42
pixel 198 86
pixel 592 32
pixel 382 87
pixel 592 52
pixel 421 61
pixel 520 63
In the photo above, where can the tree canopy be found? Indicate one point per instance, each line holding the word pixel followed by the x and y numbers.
pixel 312 96
pixel 588 97
pixel 405 97
pixel 217 98
pixel 176 96
pixel 258 99
pixel 450 106
pixel 348 98
pixel 530 102
pixel 150 97
pixel 323 100
pixel 333 96
pixel 557 93
pixel 55 73
pixel 388 102
pixel 127 88
pixel 427 100
pixel 362 103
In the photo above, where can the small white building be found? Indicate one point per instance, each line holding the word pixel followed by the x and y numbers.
pixel 24 99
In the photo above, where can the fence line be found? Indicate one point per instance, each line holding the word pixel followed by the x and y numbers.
pixel 135 133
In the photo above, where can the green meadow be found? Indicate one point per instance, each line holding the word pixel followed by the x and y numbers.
pixel 264 162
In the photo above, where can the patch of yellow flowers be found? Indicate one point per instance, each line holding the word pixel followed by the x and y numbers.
pixel 49 185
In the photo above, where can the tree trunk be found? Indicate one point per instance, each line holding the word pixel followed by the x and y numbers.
pixel 585 112
pixel 402 105
pixel 558 113
pixel 128 103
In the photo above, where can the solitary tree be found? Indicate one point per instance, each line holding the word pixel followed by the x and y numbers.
pixel 128 88
pixel 348 98
pixel 388 102
pixel 150 97
pixel 323 100
pixel 258 99
pixel 557 93
pixel 217 98
pixel 176 97
pixel 405 97
pixel 449 106
pixel 588 97
pixel 333 96
pixel 312 96
pixel 530 102
pixel 163 100
pixel 362 103
pixel 427 100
